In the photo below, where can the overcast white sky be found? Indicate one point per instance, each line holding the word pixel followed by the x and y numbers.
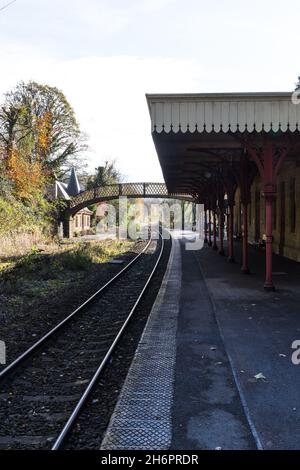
pixel 106 54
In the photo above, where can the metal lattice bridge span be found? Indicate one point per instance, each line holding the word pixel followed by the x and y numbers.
pixel 115 191
pixel 130 190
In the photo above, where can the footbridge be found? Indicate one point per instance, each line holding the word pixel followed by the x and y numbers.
pixel 115 191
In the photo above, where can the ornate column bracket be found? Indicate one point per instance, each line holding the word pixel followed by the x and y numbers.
pixel 269 159
pixel 269 156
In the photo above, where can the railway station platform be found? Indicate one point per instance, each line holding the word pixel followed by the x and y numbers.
pixel 214 368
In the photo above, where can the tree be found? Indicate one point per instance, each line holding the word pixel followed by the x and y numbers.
pixel 107 174
pixel 27 176
pixel 38 121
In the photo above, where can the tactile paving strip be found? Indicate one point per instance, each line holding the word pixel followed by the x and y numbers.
pixel 142 416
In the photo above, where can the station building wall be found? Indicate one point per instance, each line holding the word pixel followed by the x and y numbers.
pixel 286 214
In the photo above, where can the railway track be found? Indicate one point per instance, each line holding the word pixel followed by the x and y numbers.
pixel 43 392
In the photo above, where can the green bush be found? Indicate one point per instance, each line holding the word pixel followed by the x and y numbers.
pixel 77 260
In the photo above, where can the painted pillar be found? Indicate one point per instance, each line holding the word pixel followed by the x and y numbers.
pixel 215 246
pixel 209 228
pixel 194 212
pixel 269 167
pixel 221 231
pixel 205 226
pixel 245 265
pixel 230 233
pixel 269 239
pixel 230 187
pixel 239 221
pixel 245 185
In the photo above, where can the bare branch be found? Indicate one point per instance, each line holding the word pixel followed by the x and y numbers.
pixel 7 5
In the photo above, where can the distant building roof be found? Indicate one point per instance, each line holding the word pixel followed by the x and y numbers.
pixel 61 191
pixel 73 186
pixel 85 210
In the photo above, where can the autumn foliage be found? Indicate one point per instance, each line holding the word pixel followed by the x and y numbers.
pixel 39 139
pixel 25 165
pixel 26 176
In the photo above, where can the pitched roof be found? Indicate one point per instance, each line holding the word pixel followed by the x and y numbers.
pixel 73 186
pixel 61 191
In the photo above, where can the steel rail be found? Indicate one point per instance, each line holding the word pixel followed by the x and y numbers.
pixel 26 354
pixel 73 417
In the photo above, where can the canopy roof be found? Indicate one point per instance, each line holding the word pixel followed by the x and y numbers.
pixel 195 135
pixel 223 112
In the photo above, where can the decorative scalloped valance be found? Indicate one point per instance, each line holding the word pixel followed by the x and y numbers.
pixel 224 112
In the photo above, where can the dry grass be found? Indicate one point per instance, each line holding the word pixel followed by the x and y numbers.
pixel 20 244
pixel 49 269
pixel 51 260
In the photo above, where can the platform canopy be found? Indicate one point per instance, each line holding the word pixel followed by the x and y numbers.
pixel 195 132
pixel 211 144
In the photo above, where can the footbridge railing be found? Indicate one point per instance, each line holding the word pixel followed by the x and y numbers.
pixel 131 190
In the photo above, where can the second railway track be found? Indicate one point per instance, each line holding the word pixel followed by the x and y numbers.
pixel 42 397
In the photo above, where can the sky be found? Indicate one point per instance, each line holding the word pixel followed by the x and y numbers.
pixel 106 54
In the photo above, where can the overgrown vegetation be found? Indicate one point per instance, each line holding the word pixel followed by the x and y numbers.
pixel 104 175
pixel 40 273
pixel 39 138
pixel 24 222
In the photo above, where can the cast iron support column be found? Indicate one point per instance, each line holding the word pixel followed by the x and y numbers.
pixel 194 212
pixel 220 196
pixel 230 234
pixel 221 231
pixel 205 226
pixel 245 180
pixel 245 266
pixel 269 160
pixel 215 246
pixel 230 187
pixel 209 228
pixel 269 199
pixel 239 221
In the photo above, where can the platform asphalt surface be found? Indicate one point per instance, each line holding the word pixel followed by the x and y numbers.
pixel 233 384
pixel 207 412
pixel 258 329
